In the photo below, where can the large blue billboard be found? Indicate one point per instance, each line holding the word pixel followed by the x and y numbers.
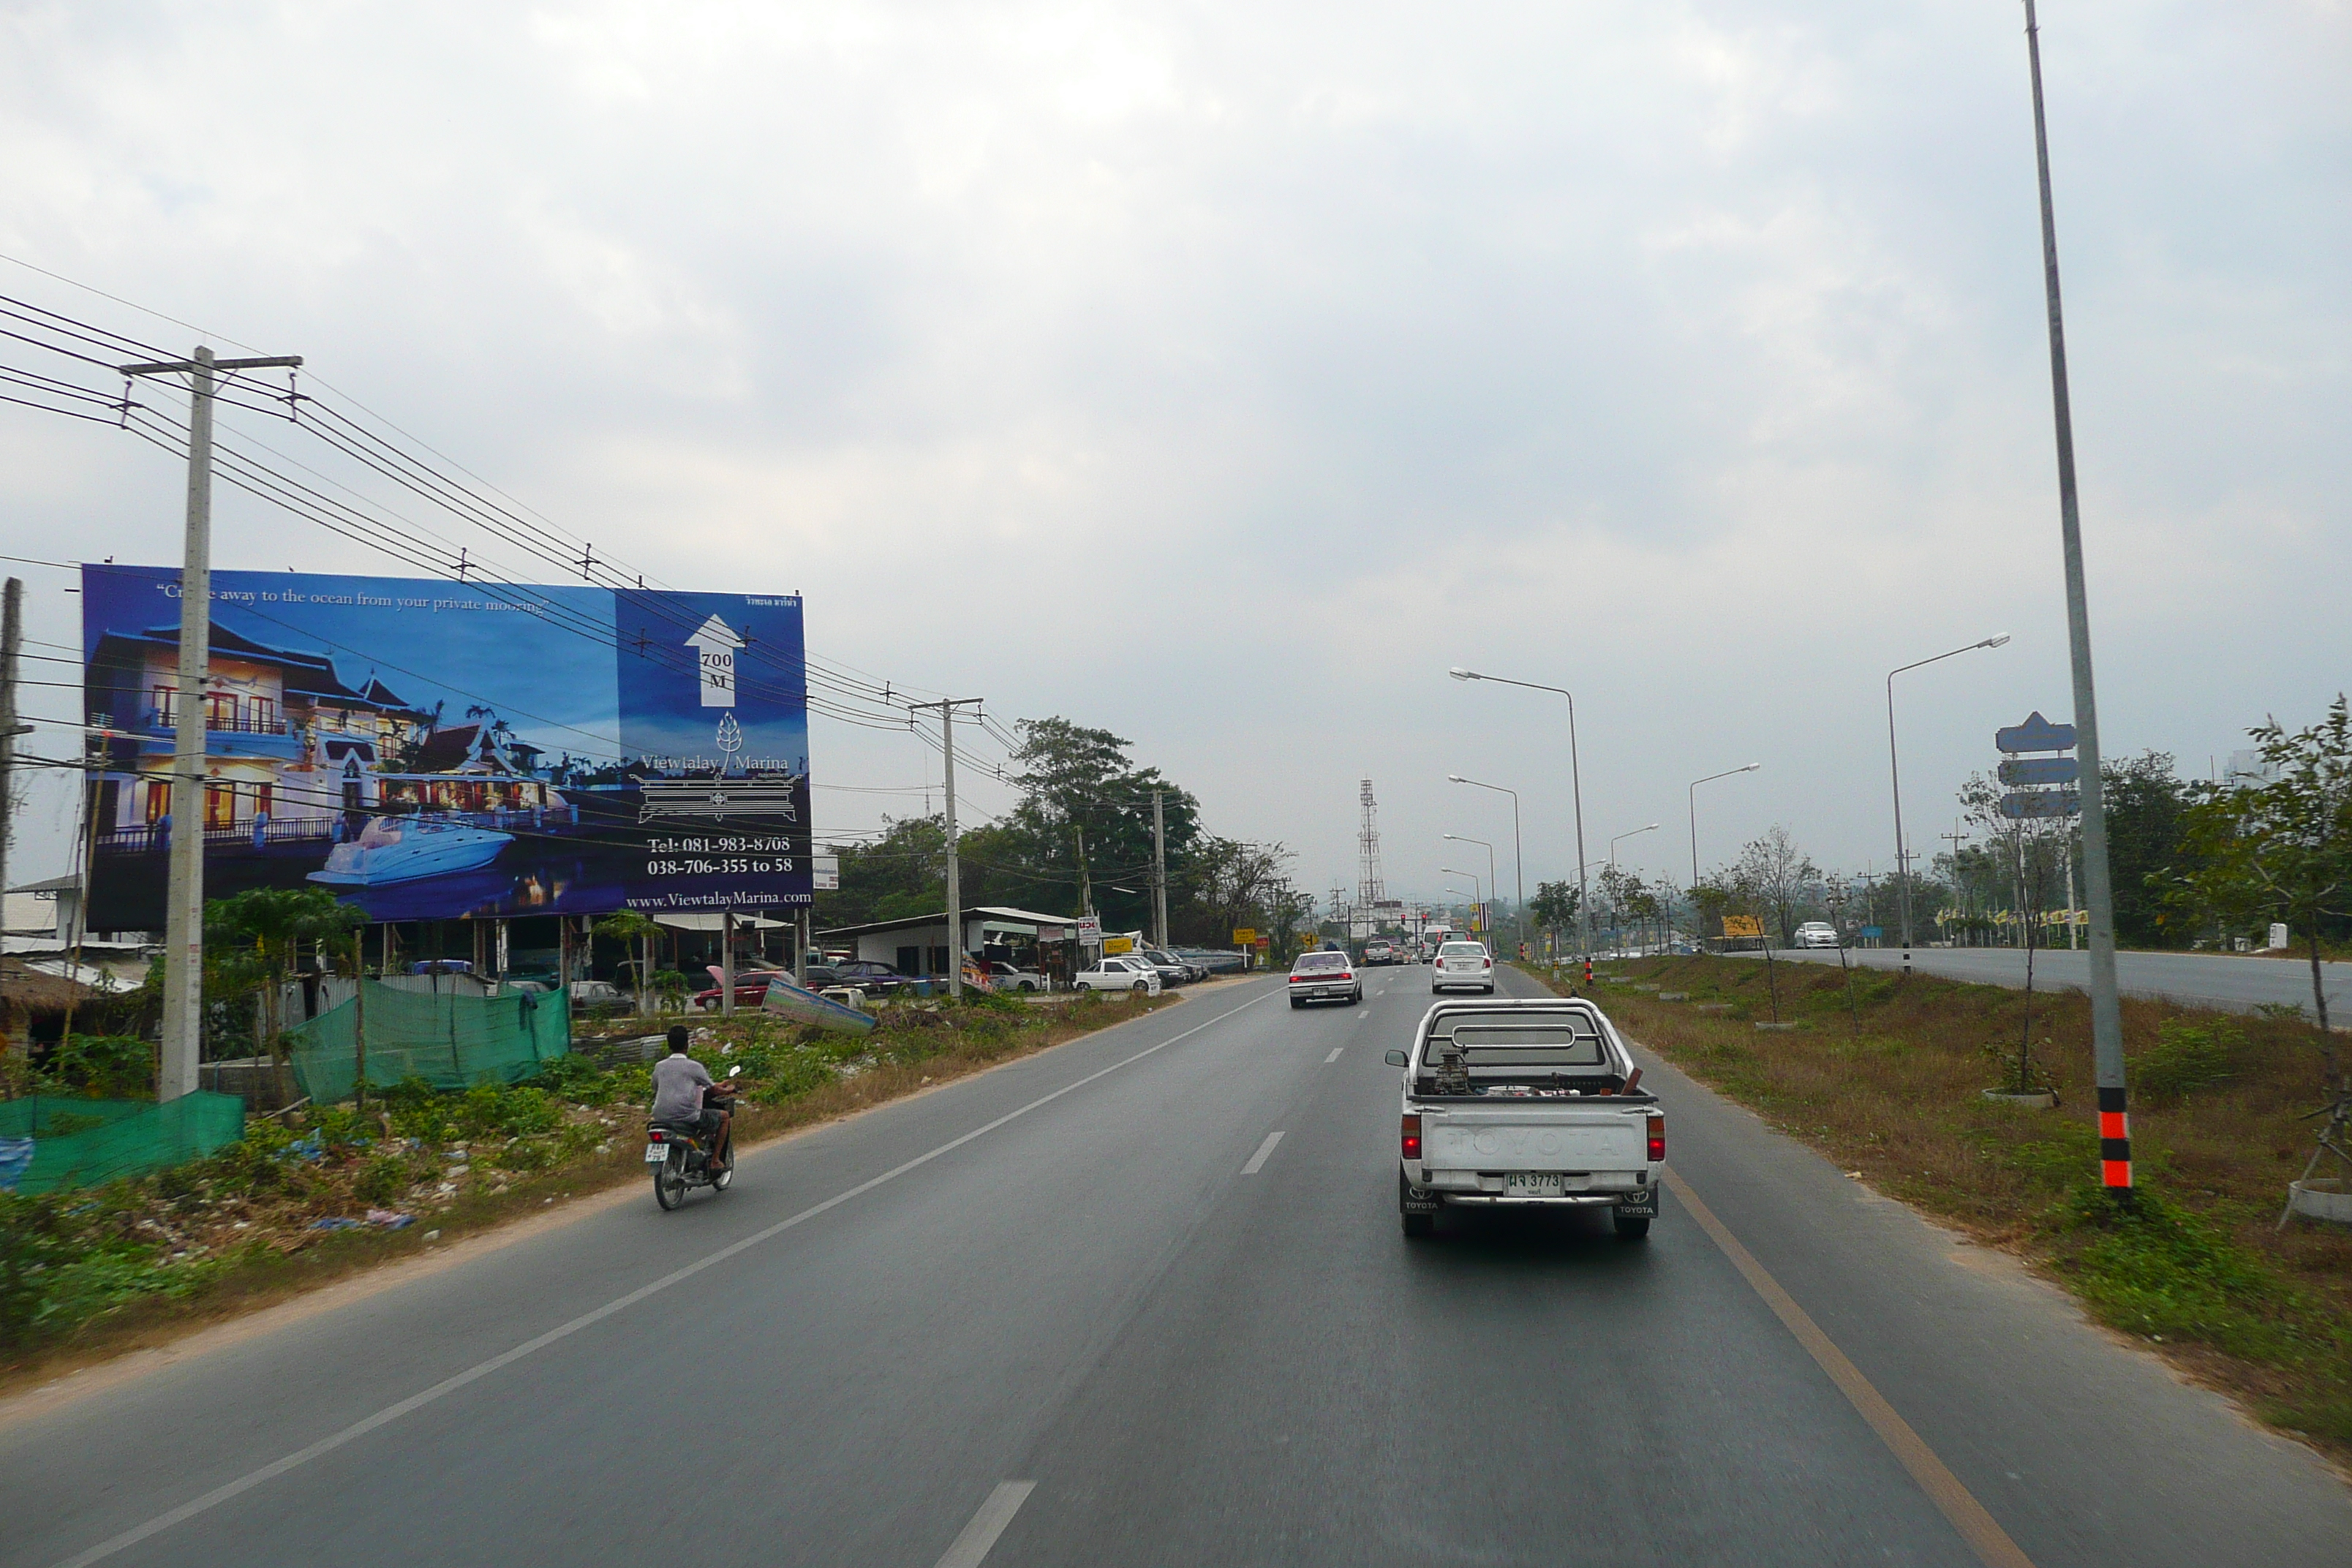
pixel 435 750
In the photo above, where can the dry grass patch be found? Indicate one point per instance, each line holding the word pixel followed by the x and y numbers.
pixel 1885 1075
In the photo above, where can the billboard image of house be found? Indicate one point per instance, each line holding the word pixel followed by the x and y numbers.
pixel 431 749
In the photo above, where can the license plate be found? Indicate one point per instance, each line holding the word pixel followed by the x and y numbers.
pixel 1532 1184
pixel 656 1153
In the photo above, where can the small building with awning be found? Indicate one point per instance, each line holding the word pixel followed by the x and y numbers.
pixel 918 944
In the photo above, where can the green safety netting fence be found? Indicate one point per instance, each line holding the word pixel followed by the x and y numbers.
pixel 450 1041
pixel 131 1137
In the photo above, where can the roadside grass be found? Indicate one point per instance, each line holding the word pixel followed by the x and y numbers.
pixel 87 1274
pixel 1888 1086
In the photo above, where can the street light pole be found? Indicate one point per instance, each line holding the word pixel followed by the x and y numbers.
pixel 1894 771
pixel 2107 1010
pixel 1727 773
pixel 1575 785
pixel 1492 885
pixel 1476 889
pixel 1519 857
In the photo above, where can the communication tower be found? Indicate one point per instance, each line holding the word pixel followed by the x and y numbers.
pixel 1368 891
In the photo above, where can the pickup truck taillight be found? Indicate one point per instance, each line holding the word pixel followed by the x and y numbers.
pixel 1413 1135
pixel 1657 1140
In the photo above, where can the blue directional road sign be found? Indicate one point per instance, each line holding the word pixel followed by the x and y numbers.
pixel 2036 734
pixel 2040 771
pixel 2021 804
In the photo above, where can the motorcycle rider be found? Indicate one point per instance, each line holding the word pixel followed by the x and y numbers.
pixel 680 1085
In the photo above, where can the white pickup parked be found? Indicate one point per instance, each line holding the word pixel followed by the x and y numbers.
pixel 1515 1103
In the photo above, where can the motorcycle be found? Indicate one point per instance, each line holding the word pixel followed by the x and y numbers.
pixel 677 1154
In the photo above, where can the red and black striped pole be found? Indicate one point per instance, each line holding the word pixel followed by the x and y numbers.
pixel 2106 1009
pixel 2114 1141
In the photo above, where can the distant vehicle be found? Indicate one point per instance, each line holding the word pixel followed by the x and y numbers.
pixel 1213 961
pixel 872 977
pixel 1535 1103
pixel 1463 964
pixel 1817 933
pixel 442 966
pixel 1119 972
pixel 1009 978
pixel 1379 951
pixel 1324 977
pixel 598 993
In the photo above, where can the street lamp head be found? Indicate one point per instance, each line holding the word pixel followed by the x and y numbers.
pixel 1458 673
pixel 1455 778
pixel 1994 642
pixel 1751 767
pixel 1456 837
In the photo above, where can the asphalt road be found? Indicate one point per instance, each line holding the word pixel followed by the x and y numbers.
pixel 2236 984
pixel 1088 1309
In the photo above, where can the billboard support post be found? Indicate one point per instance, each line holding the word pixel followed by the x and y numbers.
pixel 183 937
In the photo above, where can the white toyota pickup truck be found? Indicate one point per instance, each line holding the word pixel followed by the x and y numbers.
pixel 1516 1103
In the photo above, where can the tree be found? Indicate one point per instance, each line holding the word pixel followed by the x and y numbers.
pixel 2283 850
pixel 2033 846
pixel 2147 804
pixel 1554 906
pixel 253 940
pixel 627 926
pixel 1779 876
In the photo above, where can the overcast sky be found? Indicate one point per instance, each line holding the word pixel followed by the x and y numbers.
pixel 1220 375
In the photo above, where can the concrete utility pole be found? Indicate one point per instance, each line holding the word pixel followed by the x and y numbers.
pixel 183 929
pixel 2106 1007
pixel 11 640
pixel 946 708
pixel 1159 874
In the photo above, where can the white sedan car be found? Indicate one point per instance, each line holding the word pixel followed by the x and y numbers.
pixel 1465 965
pixel 1817 933
pixel 1118 973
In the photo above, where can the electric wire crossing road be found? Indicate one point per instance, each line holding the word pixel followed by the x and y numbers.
pixel 1142 1298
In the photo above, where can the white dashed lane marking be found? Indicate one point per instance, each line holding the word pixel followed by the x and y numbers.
pixel 1334 1055
pixel 1257 1161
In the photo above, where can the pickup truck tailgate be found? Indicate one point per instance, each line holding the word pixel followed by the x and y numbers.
pixel 1539 1135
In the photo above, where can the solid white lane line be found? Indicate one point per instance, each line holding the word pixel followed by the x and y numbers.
pixel 480 1369
pixel 1257 1161
pixel 971 1548
pixel 1334 1055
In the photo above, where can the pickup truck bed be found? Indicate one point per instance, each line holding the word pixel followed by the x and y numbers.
pixel 1508 1102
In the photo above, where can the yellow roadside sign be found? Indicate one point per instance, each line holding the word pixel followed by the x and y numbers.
pixel 1743 925
pixel 1244 936
pixel 1118 944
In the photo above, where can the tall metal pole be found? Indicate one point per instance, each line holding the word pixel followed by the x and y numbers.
pixel 1727 773
pixel 1576 785
pixel 2106 1009
pixel 1518 852
pixel 184 917
pixel 946 708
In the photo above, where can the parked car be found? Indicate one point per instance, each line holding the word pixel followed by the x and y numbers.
pixel 1324 977
pixel 873 977
pixel 1173 971
pixel 1485 1124
pixel 1214 962
pixel 1817 933
pixel 598 993
pixel 1464 964
pixel 1012 977
pixel 750 988
pixel 1119 972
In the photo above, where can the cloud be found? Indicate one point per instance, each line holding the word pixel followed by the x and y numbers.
pixel 1221 377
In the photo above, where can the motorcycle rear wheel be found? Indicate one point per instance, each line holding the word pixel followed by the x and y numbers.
pixel 670 1181
pixel 723 1177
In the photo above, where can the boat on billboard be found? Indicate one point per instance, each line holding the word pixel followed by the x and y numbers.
pixel 432 750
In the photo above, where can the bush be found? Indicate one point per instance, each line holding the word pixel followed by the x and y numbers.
pixel 2186 1058
pixel 385 1179
pixel 104 1066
